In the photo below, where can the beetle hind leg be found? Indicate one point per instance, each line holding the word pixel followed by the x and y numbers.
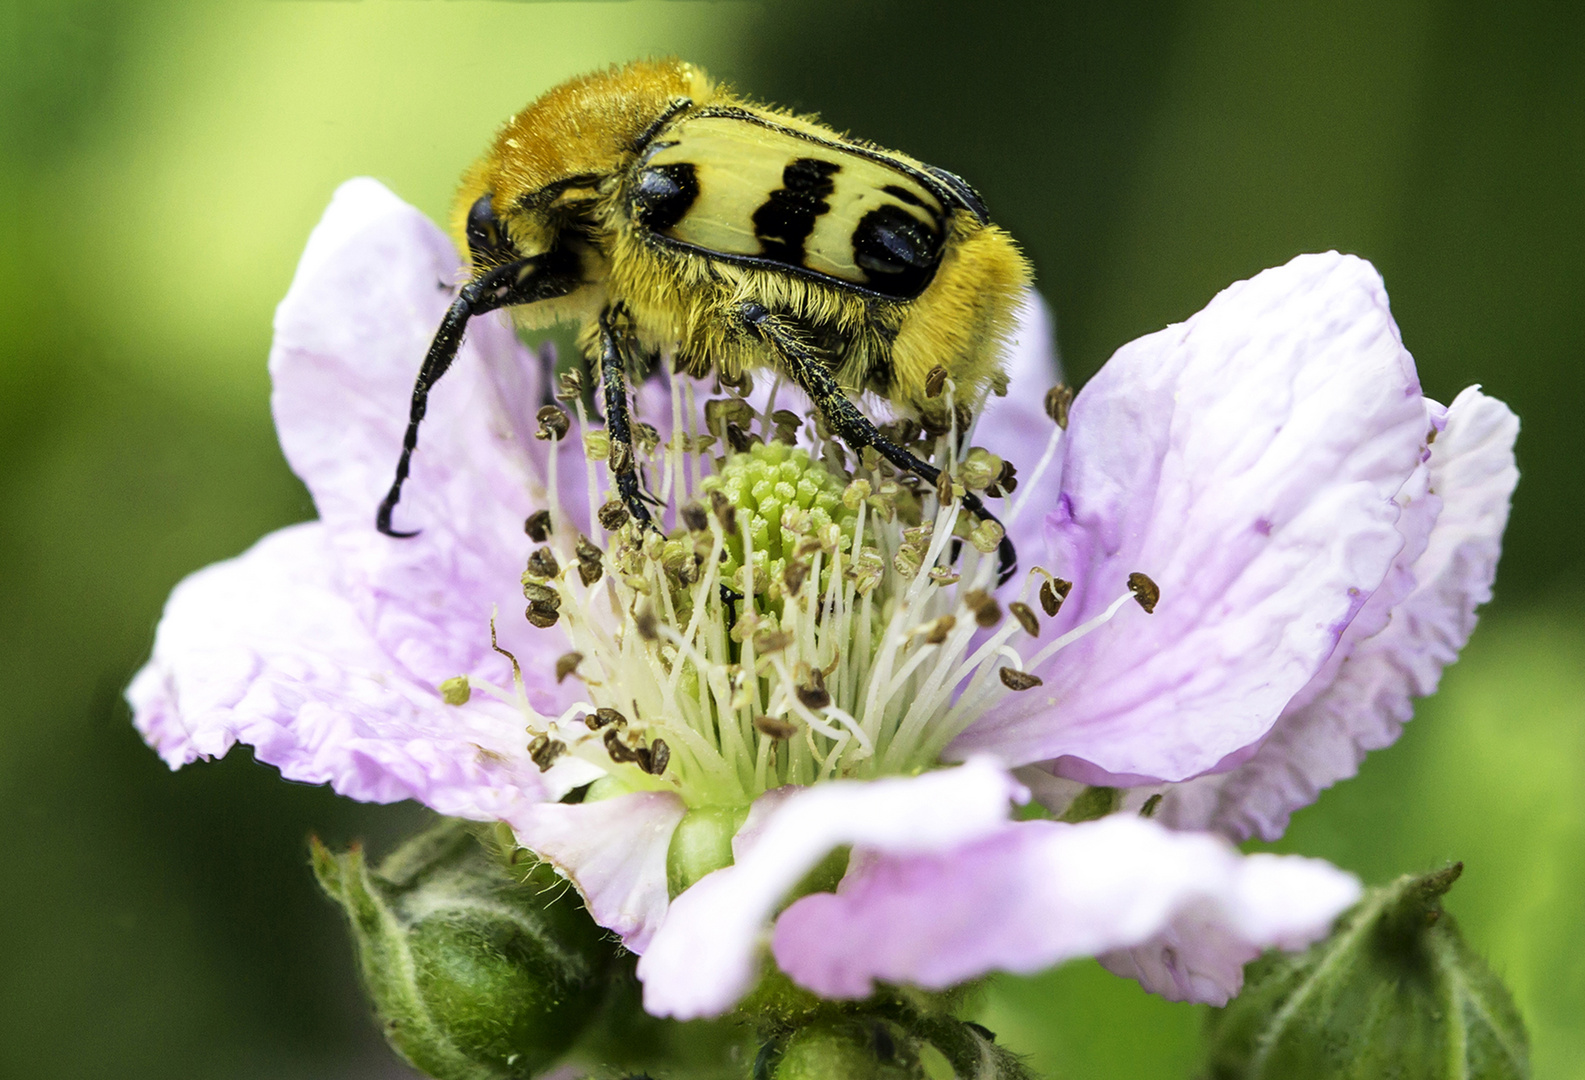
pixel 852 426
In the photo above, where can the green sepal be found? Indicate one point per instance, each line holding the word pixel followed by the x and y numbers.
pixel 1393 992
pixel 898 1033
pixel 1091 804
pixel 478 970
pixel 866 1045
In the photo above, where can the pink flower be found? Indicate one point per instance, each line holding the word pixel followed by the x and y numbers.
pixel 739 701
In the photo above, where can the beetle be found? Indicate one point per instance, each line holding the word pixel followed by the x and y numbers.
pixel 663 213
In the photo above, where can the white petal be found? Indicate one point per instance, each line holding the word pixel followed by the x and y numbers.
pixel 265 649
pixel 706 954
pixel 350 336
pixel 1269 901
pixel 1248 462
pixel 1366 704
pixel 614 853
pixel 1037 893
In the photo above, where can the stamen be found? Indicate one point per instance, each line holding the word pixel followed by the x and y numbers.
pixel 796 623
pixel 1081 631
pixel 1031 484
pixel 1017 680
pixel 1145 591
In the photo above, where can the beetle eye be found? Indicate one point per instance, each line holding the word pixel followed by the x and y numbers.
pixel 487 239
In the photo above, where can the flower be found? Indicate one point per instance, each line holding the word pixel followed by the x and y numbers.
pixel 1246 553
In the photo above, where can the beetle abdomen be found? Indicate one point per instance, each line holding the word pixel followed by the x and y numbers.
pixel 730 185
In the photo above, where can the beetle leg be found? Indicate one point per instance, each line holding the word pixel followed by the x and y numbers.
pixel 843 417
pixel 622 462
pixel 521 281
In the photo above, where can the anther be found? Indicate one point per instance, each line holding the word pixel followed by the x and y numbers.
pixel 613 515
pixel 987 536
pixel 693 518
pixel 541 594
pixel 719 413
pixel 1007 479
pixel 1058 400
pixel 987 612
pixel 1052 593
pixel 542 564
pixel 742 383
pixel 567 664
pixel 619 459
pixel 456 691
pixel 787 424
pixel 619 752
pixel 590 563
pixel 725 512
pixel 538 526
pixel 1149 809
pixel 815 695
pixel 544 751
pixel 901 431
pixel 1144 590
pixel 935 382
pixel 740 440
pixel 541 615
pixel 771 641
pixel 1014 679
pixel 772 728
pixel 936 425
pixel 794 576
pixel 604 718
pixel 645 623
pixel 1026 617
pixel 570 385
pixel 936 630
pixel 944 486
pixel 659 757
pixel 553 423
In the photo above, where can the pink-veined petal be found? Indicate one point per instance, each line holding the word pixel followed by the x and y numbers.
pixel 706 954
pixel 1247 461
pixel 265 649
pixel 1037 893
pixel 350 336
pixel 1365 705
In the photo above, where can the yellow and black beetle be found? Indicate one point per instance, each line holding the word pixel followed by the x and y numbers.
pixel 665 214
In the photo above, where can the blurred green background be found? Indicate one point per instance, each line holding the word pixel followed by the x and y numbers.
pixel 163 162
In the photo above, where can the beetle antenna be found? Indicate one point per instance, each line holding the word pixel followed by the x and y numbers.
pixel 442 351
pixel 522 281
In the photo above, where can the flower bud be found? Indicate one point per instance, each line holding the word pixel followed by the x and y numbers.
pixel 1393 992
pixel 477 972
pixel 889 1046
